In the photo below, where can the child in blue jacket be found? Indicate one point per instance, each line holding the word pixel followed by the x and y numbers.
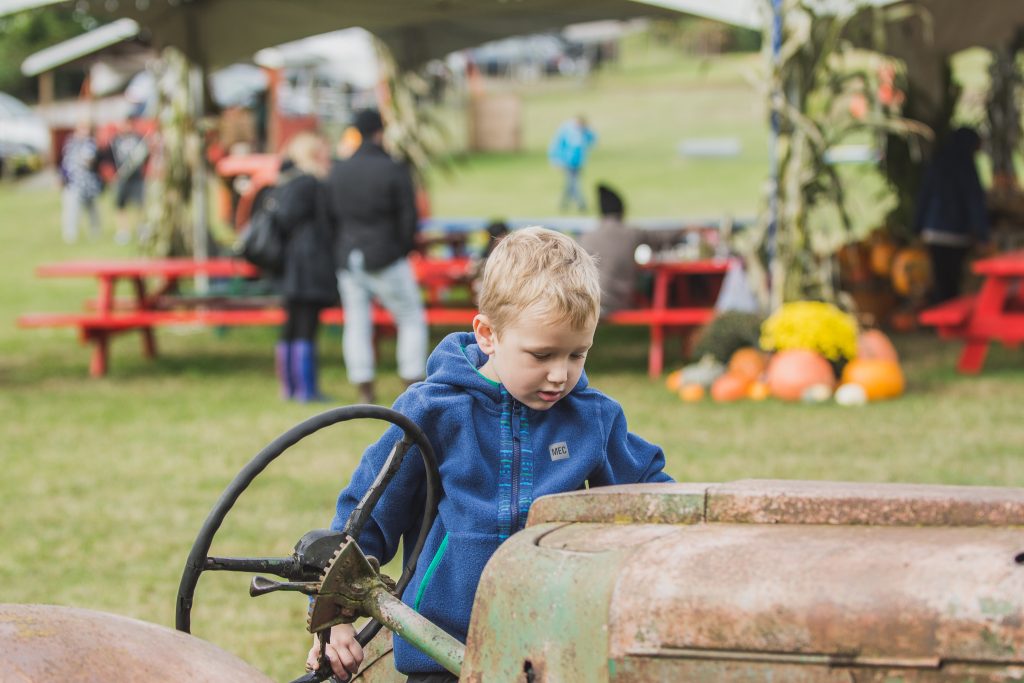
pixel 512 418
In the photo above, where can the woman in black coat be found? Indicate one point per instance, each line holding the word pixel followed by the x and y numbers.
pixel 308 282
pixel 952 214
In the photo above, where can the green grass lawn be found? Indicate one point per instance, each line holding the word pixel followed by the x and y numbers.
pixel 641 110
pixel 105 482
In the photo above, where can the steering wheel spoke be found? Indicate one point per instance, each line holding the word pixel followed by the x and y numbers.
pixel 285 567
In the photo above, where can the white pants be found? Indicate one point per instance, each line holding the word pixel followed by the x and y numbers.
pixel 71 214
pixel 396 289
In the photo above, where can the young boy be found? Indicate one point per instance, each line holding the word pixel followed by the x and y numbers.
pixel 511 417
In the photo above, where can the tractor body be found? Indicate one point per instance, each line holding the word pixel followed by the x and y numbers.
pixel 748 581
pixel 757 581
pixel 43 643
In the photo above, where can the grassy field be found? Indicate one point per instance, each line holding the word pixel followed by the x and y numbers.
pixel 641 110
pixel 105 482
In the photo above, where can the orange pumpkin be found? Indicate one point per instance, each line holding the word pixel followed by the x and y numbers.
pixel 747 361
pixel 874 344
pixel 792 371
pixel 911 272
pixel 732 386
pixel 758 391
pixel 880 378
pixel 853 263
pixel 883 251
pixel 691 392
pixel 873 301
pixel 674 380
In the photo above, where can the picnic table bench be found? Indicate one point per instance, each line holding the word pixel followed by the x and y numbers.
pixel 995 313
pixel 156 304
pixel 674 305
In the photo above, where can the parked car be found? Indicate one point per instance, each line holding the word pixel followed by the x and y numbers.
pixel 24 137
pixel 535 55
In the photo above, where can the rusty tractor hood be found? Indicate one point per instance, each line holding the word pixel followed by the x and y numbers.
pixel 71 645
pixel 758 580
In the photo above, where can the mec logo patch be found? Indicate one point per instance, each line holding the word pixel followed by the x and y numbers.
pixel 558 451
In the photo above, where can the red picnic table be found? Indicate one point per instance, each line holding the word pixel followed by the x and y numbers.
pixel 674 304
pixel 154 303
pixel 438 276
pixel 137 271
pixel 995 313
pixel 151 280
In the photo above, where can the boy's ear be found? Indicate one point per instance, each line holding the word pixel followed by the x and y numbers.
pixel 484 333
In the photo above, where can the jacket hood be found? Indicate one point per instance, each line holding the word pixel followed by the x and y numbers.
pixel 457 361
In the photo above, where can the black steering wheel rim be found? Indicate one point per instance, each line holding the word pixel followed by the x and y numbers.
pixel 197 558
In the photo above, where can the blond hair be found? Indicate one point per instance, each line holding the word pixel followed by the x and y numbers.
pixel 542 270
pixel 306 150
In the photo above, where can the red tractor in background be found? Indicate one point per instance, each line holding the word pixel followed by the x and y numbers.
pixel 247 176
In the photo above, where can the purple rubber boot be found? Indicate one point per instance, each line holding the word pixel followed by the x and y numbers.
pixel 283 368
pixel 304 372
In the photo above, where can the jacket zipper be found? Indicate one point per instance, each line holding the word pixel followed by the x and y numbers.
pixel 516 457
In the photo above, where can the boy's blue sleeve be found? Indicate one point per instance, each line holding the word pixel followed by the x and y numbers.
pixel 629 459
pixel 400 509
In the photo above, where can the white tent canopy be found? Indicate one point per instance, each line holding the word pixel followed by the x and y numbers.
pixel 218 32
pixel 79 46
pixel 12 6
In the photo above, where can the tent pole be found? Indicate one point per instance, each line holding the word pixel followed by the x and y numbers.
pixel 199 177
pixel 773 148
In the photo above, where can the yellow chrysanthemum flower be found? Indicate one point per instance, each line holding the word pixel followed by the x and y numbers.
pixel 812 325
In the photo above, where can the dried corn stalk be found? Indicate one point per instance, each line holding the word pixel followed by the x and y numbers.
pixel 414 132
pixel 825 92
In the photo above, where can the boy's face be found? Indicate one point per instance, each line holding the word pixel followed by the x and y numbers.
pixel 537 361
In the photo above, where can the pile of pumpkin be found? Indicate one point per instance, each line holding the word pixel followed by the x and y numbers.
pixel 887 281
pixel 864 365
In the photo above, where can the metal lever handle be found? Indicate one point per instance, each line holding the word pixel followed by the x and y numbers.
pixel 261 585
pixel 323 670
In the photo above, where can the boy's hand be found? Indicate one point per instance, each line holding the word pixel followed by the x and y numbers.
pixel 344 652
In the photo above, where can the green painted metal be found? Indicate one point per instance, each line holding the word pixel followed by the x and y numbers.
pixel 546 612
pixel 411 625
pixel 630 504
pixel 758 581
pixel 352 587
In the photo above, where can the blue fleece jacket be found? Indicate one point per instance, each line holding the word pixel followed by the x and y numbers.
pixel 496 456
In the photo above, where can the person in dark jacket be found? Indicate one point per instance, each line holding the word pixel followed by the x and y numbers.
pixel 613 244
pixel 952 215
pixel 81 180
pixel 308 279
pixel 373 209
pixel 511 415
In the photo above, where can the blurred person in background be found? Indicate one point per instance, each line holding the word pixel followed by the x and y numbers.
pixel 613 244
pixel 952 214
pixel 496 230
pixel 373 209
pixel 79 171
pixel 308 281
pixel 349 142
pixel 128 152
pixel 568 151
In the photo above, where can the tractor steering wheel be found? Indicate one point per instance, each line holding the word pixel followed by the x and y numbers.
pixel 315 549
